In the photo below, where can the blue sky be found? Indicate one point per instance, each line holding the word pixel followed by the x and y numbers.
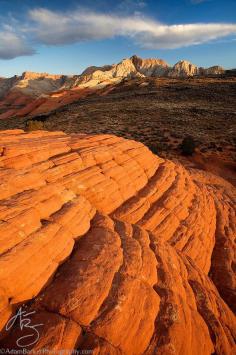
pixel 67 36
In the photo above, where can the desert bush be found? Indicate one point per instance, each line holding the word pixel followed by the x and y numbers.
pixel 34 125
pixel 154 149
pixel 188 145
pixel 158 147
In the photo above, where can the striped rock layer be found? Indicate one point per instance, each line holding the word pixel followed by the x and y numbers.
pixel 113 249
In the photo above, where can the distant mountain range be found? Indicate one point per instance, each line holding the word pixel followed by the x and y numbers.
pixel 20 95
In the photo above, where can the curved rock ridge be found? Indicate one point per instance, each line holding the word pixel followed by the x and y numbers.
pixel 114 249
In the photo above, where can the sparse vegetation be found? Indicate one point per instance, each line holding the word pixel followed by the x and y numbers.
pixel 152 116
pixel 34 125
pixel 154 149
pixel 188 146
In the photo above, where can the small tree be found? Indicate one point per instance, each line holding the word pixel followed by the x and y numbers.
pixel 188 146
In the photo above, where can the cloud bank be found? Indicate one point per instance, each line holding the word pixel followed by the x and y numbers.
pixel 54 28
pixel 12 45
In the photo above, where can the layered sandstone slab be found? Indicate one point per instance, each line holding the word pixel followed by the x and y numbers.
pixel 112 248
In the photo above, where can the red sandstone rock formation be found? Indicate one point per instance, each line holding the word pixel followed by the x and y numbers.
pixel 115 250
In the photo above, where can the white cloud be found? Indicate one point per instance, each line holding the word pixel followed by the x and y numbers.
pixel 176 36
pixel 55 28
pixel 43 26
pixel 12 45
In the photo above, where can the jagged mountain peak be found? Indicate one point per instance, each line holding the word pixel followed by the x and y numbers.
pixel 184 61
pixel 93 68
pixel 137 60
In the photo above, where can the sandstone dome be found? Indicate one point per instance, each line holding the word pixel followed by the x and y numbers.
pixel 115 249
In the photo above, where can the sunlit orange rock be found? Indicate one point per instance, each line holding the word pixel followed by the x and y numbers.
pixel 113 249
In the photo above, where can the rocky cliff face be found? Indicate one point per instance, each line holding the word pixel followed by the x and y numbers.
pixel 115 249
pixel 31 83
pixel 215 70
pixel 6 84
pixel 183 69
pixel 105 75
pixel 135 67
pixel 150 67
pixel 36 84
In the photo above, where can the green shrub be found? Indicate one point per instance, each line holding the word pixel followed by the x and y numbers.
pixel 188 146
pixel 154 149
